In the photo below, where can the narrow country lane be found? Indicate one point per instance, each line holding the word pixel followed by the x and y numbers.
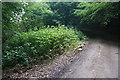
pixel 99 60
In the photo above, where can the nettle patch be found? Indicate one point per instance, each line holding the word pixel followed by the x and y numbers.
pixel 46 43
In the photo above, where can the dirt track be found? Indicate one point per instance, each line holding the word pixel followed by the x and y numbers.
pixel 99 60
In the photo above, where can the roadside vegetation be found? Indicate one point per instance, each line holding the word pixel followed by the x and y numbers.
pixel 45 43
pixel 41 31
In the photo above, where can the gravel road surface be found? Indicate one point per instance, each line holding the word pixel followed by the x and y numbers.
pixel 99 60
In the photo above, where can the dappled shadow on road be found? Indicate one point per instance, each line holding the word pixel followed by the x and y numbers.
pixel 97 33
pixel 110 36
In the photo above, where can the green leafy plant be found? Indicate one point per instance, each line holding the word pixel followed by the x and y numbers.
pixel 24 48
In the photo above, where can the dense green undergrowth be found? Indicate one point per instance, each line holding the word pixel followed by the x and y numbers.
pixel 46 43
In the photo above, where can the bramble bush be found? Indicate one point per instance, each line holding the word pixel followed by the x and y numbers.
pixel 45 43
